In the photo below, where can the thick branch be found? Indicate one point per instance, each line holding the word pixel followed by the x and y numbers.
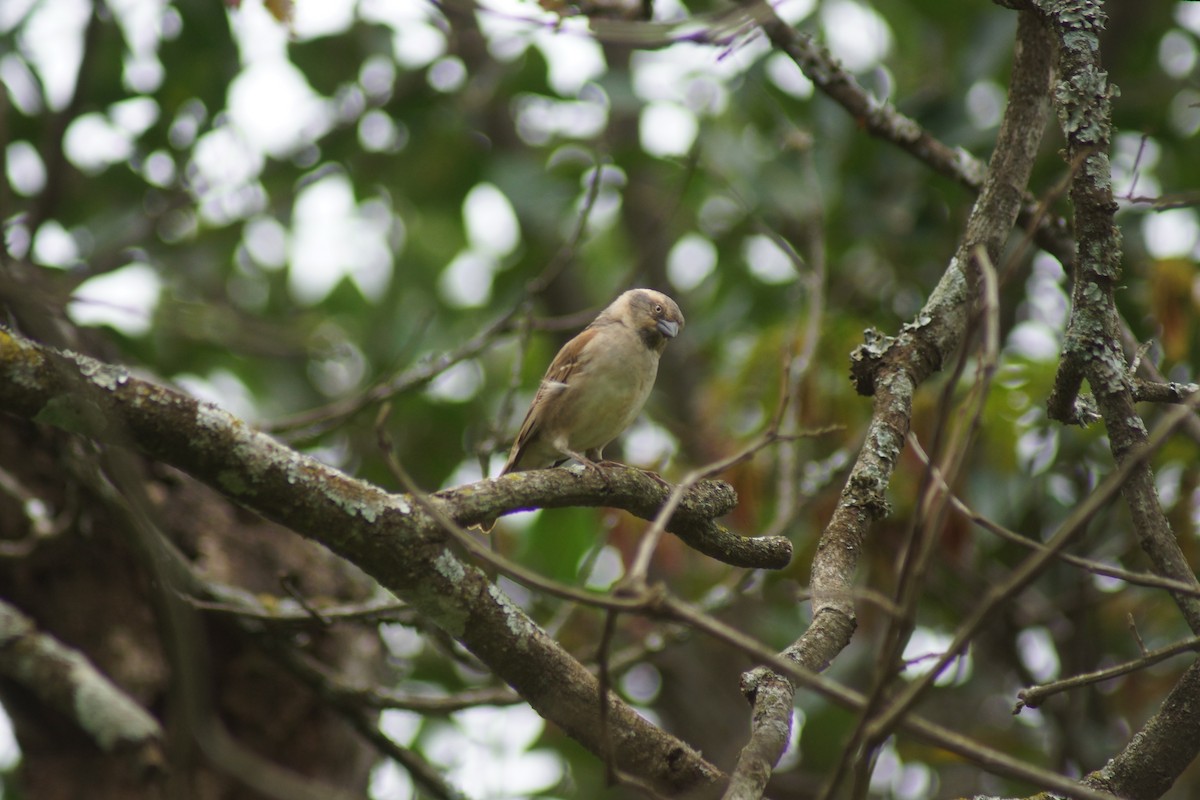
pixel 385 535
pixel 632 490
pixel 1161 750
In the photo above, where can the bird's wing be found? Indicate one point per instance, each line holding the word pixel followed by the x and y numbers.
pixel 556 380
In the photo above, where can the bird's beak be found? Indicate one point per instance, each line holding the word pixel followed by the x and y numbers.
pixel 668 328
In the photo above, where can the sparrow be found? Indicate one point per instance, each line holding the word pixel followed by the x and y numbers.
pixel 597 384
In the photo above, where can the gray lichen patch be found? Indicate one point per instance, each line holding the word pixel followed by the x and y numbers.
pixel 885 443
pixel 365 504
pixel 972 168
pixel 64 679
pixel 449 567
pixel 259 461
pixel 104 712
pixel 211 417
pixel 517 622
pixel 106 376
pixel 445 609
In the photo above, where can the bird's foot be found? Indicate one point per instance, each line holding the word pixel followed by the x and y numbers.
pixel 596 466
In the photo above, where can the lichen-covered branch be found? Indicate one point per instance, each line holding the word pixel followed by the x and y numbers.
pixel 891 369
pixel 65 680
pixel 1092 345
pixel 632 490
pixel 386 535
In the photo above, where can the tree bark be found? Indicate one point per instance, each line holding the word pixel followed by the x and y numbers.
pixel 81 578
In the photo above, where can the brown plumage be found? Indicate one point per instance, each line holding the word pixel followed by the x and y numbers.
pixel 597 384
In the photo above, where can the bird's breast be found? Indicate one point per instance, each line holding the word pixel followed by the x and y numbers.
pixel 612 390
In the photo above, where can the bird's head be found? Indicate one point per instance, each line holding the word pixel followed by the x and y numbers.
pixel 652 314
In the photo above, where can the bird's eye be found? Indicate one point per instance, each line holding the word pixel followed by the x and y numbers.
pixel 658 309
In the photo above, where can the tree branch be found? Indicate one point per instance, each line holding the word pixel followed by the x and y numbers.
pixel 1034 696
pixel 892 368
pixel 881 119
pixel 628 488
pixel 68 682
pixel 1161 750
pixel 385 535
pixel 1092 347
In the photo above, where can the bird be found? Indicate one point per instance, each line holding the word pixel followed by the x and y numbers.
pixel 597 384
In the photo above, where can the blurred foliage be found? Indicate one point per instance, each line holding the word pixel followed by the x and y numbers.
pixel 410 108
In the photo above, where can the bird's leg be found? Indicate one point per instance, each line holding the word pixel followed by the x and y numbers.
pixel 595 455
pixel 582 459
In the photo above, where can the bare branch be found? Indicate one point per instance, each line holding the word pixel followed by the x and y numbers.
pixel 1092 346
pixel 330 415
pixel 1090 565
pixel 881 119
pixel 1034 696
pixel 628 488
pixel 1164 747
pixel 1167 392
pixel 386 535
pixel 794 673
pixel 917 556
pixel 1028 569
pixel 892 368
pixel 354 706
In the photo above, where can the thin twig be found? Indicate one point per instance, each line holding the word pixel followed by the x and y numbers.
pixel 350 707
pixel 635 579
pixel 327 416
pixel 1097 567
pixel 373 611
pixel 1137 636
pixel 604 680
pixel 1075 523
pixel 787 507
pixel 329 683
pixel 1034 696
pixel 994 761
